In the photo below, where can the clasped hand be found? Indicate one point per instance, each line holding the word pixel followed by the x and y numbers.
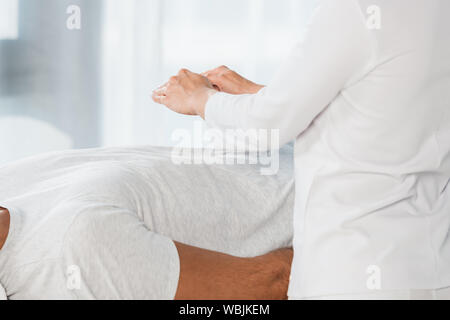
pixel 188 92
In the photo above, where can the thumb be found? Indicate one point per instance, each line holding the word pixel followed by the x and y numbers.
pixel 215 80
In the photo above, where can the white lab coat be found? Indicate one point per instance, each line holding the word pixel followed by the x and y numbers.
pixel 369 109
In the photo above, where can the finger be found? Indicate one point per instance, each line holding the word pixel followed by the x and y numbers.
pixel 215 81
pixel 161 100
pixel 160 91
pixel 159 97
pixel 161 86
pixel 156 98
pixel 210 73
pixel 219 71
pixel 184 72
pixel 212 76
pixel 213 71
pixel 173 80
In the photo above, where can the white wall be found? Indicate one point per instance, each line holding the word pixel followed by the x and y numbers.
pixel 64 89
pixel 148 41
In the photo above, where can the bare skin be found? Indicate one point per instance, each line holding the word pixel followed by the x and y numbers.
pixel 186 93
pixel 208 275
pixel 226 80
pixel 4 226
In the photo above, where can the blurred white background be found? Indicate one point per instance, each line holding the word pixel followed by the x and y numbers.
pixel 62 89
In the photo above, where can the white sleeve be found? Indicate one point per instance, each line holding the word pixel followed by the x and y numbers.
pixel 337 48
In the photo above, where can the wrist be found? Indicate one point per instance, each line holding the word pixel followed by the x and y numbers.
pixel 271 274
pixel 254 88
pixel 203 101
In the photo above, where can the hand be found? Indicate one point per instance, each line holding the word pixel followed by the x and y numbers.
pixel 228 81
pixel 187 93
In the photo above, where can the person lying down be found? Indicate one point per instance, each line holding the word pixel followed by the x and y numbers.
pixel 130 224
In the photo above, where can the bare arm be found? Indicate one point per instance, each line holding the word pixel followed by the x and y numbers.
pixel 209 275
pixel 4 226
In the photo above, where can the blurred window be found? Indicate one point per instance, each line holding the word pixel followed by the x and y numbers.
pixel 8 19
